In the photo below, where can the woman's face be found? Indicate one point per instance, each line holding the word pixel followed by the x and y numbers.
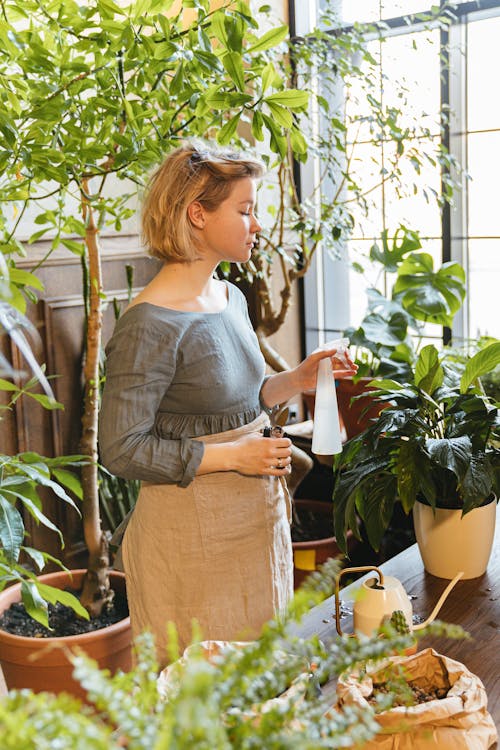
pixel 228 233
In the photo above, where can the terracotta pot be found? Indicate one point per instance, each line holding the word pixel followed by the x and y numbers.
pixel 449 543
pixel 310 555
pixel 42 664
pixel 353 418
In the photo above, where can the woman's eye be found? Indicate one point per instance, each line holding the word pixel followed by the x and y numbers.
pixel 245 213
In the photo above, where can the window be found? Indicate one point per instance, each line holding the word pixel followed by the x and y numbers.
pixel 469 230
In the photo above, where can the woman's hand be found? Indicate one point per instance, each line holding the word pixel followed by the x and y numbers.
pixel 307 371
pixel 257 455
pixel 279 388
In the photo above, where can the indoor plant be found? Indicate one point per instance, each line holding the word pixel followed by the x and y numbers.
pixel 387 341
pixel 311 218
pixel 24 476
pixel 98 94
pixel 435 444
pixel 218 705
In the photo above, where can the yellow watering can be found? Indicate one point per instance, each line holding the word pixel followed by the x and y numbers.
pixel 379 597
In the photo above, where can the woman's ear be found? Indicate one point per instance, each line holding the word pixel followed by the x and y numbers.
pixel 196 214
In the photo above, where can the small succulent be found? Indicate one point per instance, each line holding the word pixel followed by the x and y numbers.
pixel 399 622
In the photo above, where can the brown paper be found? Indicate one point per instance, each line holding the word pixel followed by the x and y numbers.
pixel 460 721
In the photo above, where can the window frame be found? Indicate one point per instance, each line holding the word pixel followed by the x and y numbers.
pixel 318 311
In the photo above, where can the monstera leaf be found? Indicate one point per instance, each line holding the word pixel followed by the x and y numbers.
pixel 390 255
pixel 429 295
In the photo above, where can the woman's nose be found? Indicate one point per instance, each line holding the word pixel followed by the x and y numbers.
pixel 256 226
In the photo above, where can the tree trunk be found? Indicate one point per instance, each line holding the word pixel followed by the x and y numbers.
pixel 96 587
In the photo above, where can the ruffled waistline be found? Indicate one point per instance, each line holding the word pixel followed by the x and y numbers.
pixel 175 426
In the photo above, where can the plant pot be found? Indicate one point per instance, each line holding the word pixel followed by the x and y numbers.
pixel 310 555
pixel 351 416
pixel 42 664
pixel 354 418
pixel 449 543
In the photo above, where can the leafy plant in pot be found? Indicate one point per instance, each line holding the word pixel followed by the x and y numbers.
pixel 98 93
pixel 434 449
pixel 387 341
pixel 24 478
pixel 262 694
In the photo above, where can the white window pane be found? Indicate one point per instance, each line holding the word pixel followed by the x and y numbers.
pixel 361 11
pixel 361 125
pixel 484 168
pixel 396 8
pixel 412 200
pixel 484 275
pixel 410 64
pixel 483 106
pixel 365 171
pixel 359 282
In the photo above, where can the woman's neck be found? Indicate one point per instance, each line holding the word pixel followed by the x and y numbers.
pixel 186 286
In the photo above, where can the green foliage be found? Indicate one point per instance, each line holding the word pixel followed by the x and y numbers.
pixel 92 96
pixel 21 479
pixel 25 475
pixel 387 339
pixel 398 621
pixel 95 91
pixel 226 703
pixel 437 440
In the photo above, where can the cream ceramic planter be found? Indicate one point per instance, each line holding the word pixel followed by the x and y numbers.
pixel 450 543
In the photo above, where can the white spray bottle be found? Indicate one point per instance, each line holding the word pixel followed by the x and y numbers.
pixel 327 439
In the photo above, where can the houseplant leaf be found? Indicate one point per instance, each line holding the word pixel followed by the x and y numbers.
pixel 481 363
pixel 429 374
pixel 453 454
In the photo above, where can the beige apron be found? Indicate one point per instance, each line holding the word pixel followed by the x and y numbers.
pixel 218 551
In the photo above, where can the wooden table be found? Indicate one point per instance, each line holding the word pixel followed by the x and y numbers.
pixel 473 604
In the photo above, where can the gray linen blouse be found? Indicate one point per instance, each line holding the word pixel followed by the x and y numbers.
pixel 172 376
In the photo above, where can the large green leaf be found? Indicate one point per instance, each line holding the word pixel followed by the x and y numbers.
pixel 292 98
pixel 376 507
pixel 477 484
pixel 11 528
pixel 344 494
pixel 69 480
pixel 385 331
pixel 37 514
pixel 233 63
pixel 53 595
pixel 270 39
pixel 454 454
pixel 390 256
pixel 433 296
pixel 40 477
pixel 429 374
pixel 34 603
pixel 481 363
pixel 407 469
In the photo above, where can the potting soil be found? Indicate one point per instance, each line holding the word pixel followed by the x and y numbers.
pixel 63 620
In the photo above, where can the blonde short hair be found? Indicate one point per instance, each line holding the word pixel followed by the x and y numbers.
pixel 189 173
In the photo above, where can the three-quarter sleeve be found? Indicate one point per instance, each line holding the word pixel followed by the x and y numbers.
pixel 140 366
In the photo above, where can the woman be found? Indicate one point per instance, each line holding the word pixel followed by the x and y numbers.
pixel 182 410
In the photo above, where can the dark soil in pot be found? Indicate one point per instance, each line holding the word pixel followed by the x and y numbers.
pixel 309 525
pixel 62 620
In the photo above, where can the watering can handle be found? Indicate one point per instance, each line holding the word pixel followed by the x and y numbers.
pixel 362 569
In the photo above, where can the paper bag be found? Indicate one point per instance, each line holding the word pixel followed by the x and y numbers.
pixel 459 721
